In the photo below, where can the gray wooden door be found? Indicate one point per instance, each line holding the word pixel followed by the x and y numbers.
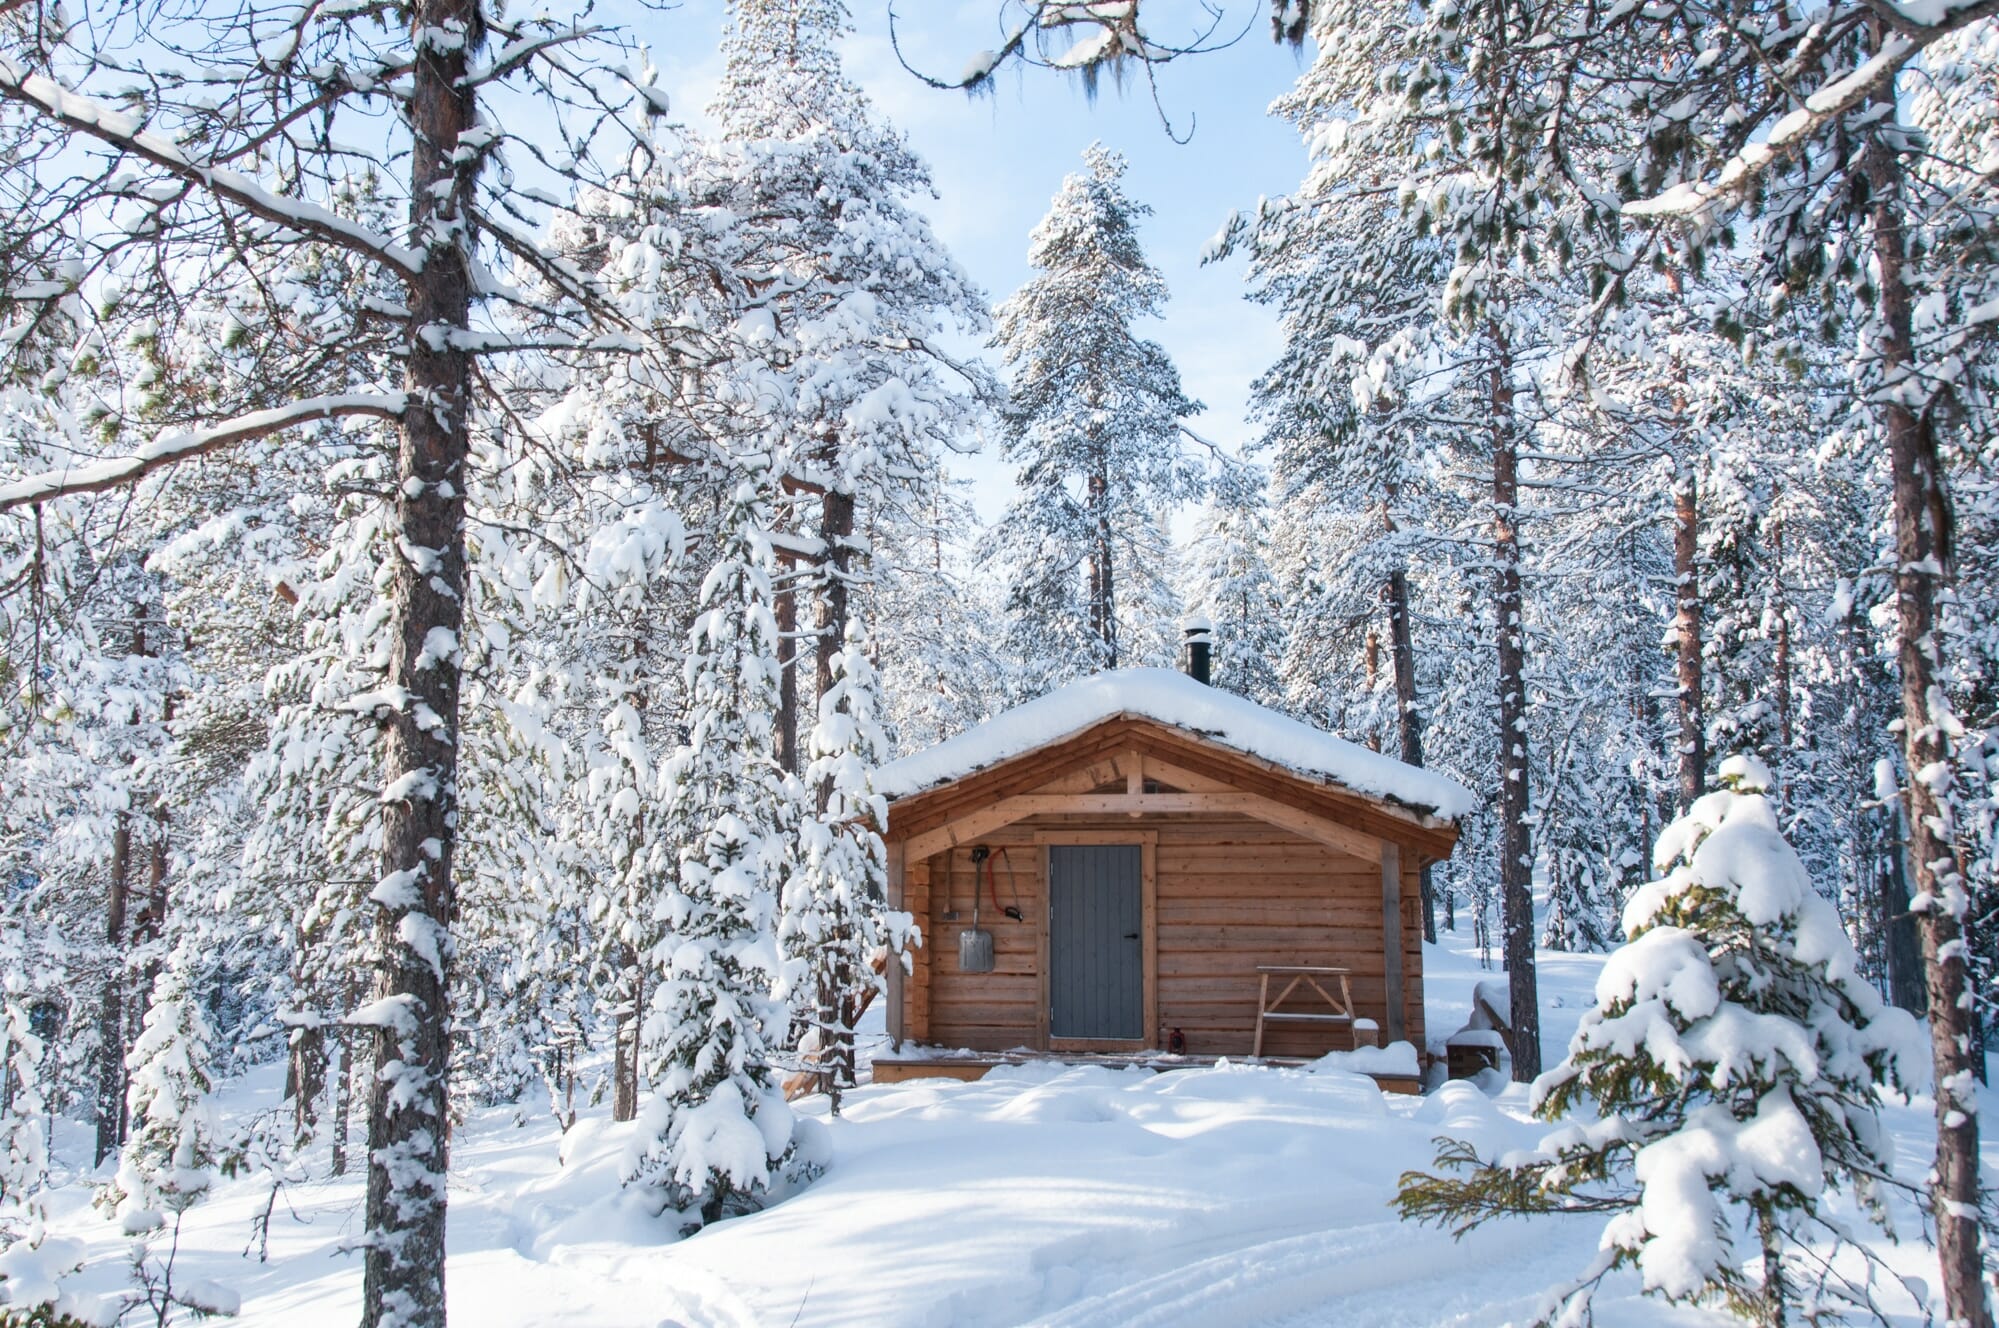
pixel 1096 957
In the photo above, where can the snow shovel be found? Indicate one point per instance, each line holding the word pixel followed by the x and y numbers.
pixel 975 943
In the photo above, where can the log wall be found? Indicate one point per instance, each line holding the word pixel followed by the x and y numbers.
pixel 1232 893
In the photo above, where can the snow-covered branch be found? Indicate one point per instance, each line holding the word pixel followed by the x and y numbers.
pixel 87 115
pixel 1911 29
pixel 169 448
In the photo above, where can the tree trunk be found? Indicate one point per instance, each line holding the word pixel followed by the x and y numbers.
pixel 1776 1298
pixel 111 1015
pixel 408 1106
pixel 343 1088
pixel 1409 720
pixel 938 600
pixel 1103 585
pixel 1901 942
pixel 111 1012
pixel 1692 750
pixel 836 533
pixel 784 608
pixel 305 1080
pixel 151 924
pixel 625 1043
pixel 835 1039
pixel 1516 866
pixel 1923 556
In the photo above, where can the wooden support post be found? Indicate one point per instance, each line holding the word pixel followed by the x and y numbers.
pixel 894 973
pixel 1391 938
pixel 1149 930
pixel 919 888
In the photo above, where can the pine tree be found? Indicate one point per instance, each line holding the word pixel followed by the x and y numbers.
pixel 716 1136
pixel 1730 1073
pixel 247 190
pixel 1232 586
pixel 1093 430
pixel 935 624
pixel 1432 134
pixel 848 290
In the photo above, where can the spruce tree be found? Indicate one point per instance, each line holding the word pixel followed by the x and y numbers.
pixel 1726 1081
pixel 836 917
pixel 716 1135
pixel 168 1164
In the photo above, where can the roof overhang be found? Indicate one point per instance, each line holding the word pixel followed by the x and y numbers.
pixel 1032 783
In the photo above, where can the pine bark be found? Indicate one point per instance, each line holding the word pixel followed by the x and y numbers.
pixel 836 534
pixel 1408 719
pixel 833 998
pixel 1901 939
pixel 784 608
pixel 111 1014
pixel 408 1122
pixel 305 1080
pixel 1923 532
pixel 151 924
pixel 1516 867
pixel 111 1010
pixel 343 1091
pixel 1103 582
pixel 1687 643
pixel 625 1041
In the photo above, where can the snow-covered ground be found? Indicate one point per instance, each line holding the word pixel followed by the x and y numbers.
pixel 1075 1197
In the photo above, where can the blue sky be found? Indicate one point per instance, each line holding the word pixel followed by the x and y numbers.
pixel 997 160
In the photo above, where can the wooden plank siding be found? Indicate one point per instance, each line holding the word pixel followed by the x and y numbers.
pixel 1230 892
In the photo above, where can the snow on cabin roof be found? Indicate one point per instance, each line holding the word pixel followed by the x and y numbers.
pixel 1173 698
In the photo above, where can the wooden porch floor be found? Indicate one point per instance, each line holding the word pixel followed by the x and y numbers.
pixel 893 1068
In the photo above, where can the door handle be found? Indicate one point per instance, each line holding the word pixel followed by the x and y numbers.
pixel 1131 936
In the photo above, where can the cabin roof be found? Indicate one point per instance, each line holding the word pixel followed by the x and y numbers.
pixel 1178 701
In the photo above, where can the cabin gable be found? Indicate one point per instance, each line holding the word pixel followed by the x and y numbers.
pixel 1130 765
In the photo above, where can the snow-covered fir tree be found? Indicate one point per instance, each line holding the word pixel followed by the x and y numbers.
pixel 23 1128
pixel 716 1136
pixel 169 1163
pixel 846 297
pixel 1232 586
pixel 1727 1080
pixel 1093 431
pixel 836 921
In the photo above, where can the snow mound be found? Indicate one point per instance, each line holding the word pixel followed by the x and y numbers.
pixel 1397 1058
pixel 1173 698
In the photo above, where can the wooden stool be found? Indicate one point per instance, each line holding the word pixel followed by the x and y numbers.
pixel 1336 1009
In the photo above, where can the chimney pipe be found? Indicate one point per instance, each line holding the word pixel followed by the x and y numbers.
pixel 1197 631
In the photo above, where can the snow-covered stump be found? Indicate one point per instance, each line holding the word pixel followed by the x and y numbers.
pixel 1731 1065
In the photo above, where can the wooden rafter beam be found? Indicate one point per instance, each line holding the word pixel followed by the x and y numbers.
pixel 1102 754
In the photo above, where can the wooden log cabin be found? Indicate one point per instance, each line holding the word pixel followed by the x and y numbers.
pixel 1142 850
